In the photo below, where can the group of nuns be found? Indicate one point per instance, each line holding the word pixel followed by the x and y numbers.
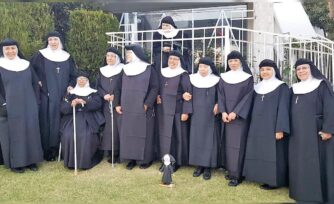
pixel 268 133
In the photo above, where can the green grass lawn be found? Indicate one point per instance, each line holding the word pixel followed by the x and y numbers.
pixel 54 183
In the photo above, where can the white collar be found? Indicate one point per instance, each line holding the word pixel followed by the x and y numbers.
pixel 169 72
pixel 58 55
pixel 204 82
pixel 82 91
pixel 169 34
pixel 235 76
pixel 135 67
pixel 111 70
pixel 306 86
pixel 16 64
pixel 268 85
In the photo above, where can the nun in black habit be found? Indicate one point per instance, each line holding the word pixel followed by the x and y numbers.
pixel 235 103
pixel 20 138
pixel 109 83
pixel 55 71
pixel 169 38
pixel 175 106
pixel 204 129
pixel 311 146
pixel 88 121
pixel 266 156
pixel 140 85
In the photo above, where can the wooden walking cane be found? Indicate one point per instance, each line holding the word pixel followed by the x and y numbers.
pixel 75 143
pixel 112 133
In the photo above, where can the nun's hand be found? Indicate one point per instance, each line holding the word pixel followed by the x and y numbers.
pixel 69 88
pixel 119 109
pixel 186 96
pixel 109 97
pixel 325 136
pixel 158 99
pixel 279 135
pixel 232 116
pixel 145 107
pixel 184 117
pixel 74 103
pixel 225 117
pixel 40 83
pixel 215 109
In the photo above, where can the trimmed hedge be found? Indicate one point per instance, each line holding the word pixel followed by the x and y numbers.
pixel 87 40
pixel 27 23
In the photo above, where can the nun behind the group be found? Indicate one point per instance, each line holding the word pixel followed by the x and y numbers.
pixel 266 156
pixel 173 132
pixel 55 71
pixel 204 130
pixel 235 99
pixel 109 83
pixel 140 87
pixel 168 40
pixel 88 121
pixel 19 129
pixel 311 157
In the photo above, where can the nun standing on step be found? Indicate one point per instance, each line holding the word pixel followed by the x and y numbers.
pixel 140 85
pixel 235 103
pixel 175 105
pixel 19 129
pixel 266 159
pixel 311 144
pixel 109 83
pixel 204 130
pixel 55 71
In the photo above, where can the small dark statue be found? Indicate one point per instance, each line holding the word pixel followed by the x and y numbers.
pixel 167 170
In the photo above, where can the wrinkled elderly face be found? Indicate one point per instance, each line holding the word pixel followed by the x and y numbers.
pixel 54 42
pixel 128 56
pixel 111 58
pixel 82 81
pixel 303 72
pixel 203 70
pixel 234 64
pixel 166 26
pixel 266 72
pixel 10 51
pixel 173 61
pixel 166 159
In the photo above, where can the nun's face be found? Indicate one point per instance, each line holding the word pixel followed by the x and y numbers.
pixel 166 26
pixel 173 61
pixel 54 42
pixel 111 58
pixel 203 70
pixel 82 81
pixel 128 56
pixel 234 64
pixel 303 72
pixel 266 72
pixel 10 51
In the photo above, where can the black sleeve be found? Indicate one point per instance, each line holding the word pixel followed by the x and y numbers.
pixel 221 97
pixel 36 64
pixel 153 88
pixel 73 73
pixel 2 93
pixel 93 102
pixel 187 106
pixel 244 107
pixel 99 87
pixel 283 111
pixel 117 91
pixel 328 108
pixel 65 107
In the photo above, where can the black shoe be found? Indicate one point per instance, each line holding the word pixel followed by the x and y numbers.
pixel 116 160
pixel 198 171
pixel 131 165
pixel 33 167
pixel 175 168
pixel 267 187
pixel 145 166
pixel 207 174
pixel 234 182
pixel 17 170
pixel 227 177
